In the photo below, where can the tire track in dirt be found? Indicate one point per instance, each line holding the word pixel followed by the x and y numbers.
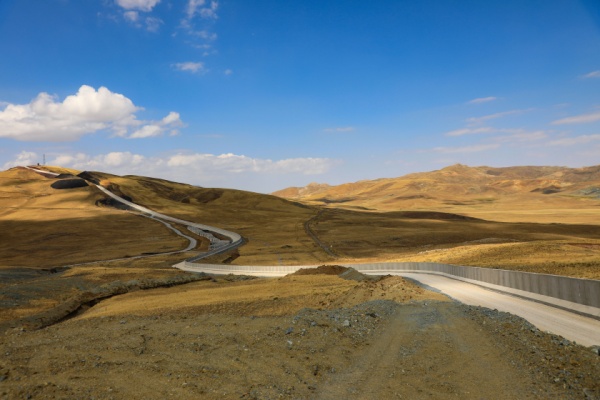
pixel 429 350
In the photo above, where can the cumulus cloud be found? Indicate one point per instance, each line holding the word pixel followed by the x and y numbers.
pixel 579 119
pixel 188 163
pixel 481 100
pixel 224 170
pixel 170 122
pixel 141 5
pixel 593 74
pixel 88 111
pixel 24 158
pixel 233 163
pixel 193 67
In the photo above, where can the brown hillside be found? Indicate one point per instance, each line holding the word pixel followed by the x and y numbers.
pixel 468 190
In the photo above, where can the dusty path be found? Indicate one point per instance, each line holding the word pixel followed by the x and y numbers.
pixel 429 351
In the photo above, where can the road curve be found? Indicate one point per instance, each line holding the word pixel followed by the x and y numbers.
pixel 236 240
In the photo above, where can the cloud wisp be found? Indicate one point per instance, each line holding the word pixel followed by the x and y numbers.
pixel 466 149
pixel 482 100
pixel 88 111
pixel 133 10
pixel 575 140
pixel 489 117
pixel 579 119
pixel 593 74
pixel 197 23
pixel 192 67
pixel 340 129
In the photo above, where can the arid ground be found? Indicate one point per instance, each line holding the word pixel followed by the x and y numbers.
pixel 76 324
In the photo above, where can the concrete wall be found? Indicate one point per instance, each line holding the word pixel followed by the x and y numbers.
pixel 580 291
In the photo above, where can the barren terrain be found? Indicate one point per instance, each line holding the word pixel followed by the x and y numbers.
pixel 82 317
pixel 301 336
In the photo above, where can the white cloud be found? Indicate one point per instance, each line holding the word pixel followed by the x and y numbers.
pixel 228 72
pixel 224 170
pixel 204 9
pixel 579 119
pixel 593 74
pixel 233 163
pixel 482 119
pixel 194 67
pixel 520 135
pixel 88 111
pixel 471 131
pixel 341 129
pixel 24 158
pixel 187 163
pixel 570 141
pixel 466 149
pixel 169 122
pixel 210 170
pixel 482 100
pixel 141 5
pixel 153 24
pixel 132 16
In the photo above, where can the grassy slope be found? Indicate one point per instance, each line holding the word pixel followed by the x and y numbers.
pixel 517 194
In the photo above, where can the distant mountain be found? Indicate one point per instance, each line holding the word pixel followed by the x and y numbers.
pixel 456 185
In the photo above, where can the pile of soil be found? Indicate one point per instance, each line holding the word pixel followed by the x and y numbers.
pixel 322 270
pixel 343 272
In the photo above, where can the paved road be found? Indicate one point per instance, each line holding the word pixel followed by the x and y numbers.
pixel 583 330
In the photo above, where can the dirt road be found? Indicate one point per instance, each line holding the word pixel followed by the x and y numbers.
pixel 429 351
pixel 299 337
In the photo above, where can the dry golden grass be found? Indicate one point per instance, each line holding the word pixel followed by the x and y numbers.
pixel 517 194
pixel 260 297
pixel 41 227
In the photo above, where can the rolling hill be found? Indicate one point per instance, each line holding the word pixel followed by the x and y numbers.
pixel 475 191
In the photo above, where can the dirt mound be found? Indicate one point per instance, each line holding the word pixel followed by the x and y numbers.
pixel 322 270
pixel 69 183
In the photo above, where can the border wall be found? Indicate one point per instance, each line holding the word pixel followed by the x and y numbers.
pixel 581 295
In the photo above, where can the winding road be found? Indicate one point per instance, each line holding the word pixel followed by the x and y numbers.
pixel 574 327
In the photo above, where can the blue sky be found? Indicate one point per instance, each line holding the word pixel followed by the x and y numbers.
pixel 261 95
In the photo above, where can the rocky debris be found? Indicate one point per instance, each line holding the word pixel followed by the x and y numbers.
pixel 550 359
